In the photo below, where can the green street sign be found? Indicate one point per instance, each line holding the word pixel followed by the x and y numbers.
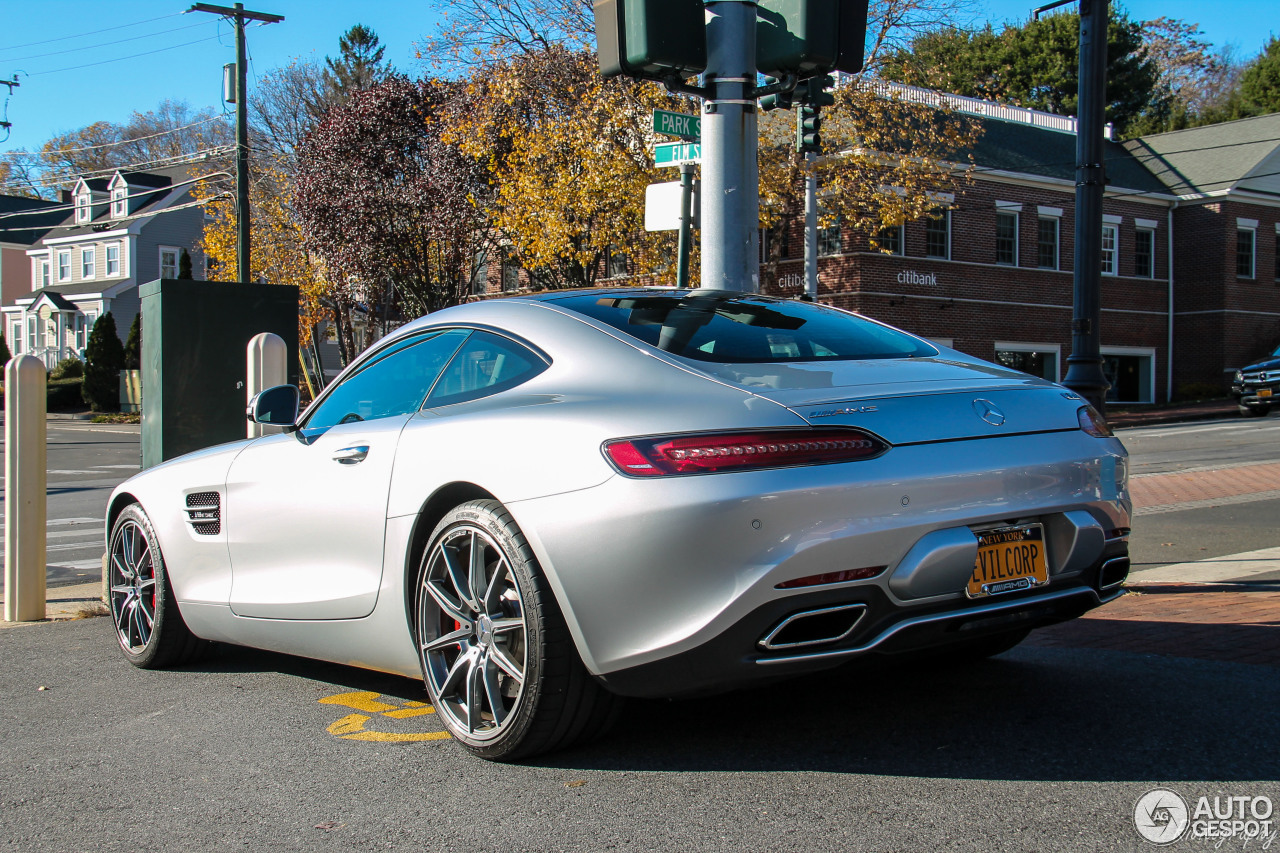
pixel 677 153
pixel 677 124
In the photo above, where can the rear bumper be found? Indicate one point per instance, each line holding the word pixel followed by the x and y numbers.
pixel 736 658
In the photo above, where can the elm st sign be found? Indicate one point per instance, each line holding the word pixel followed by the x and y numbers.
pixel 677 124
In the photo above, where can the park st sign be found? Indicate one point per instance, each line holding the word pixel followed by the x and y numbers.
pixel 677 124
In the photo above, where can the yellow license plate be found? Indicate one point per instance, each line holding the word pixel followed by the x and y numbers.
pixel 1009 559
pixel 1264 392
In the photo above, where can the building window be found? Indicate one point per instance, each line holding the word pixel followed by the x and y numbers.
pixel 890 240
pixel 1047 243
pixel 64 265
pixel 510 273
pixel 31 333
pixel 829 240
pixel 1131 372
pixel 168 262
pixel 1244 252
pixel 1144 253
pixel 80 332
pixel 87 263
pixel 1109 249
pixel 119 204
pixel 617 263
pixel 15 337
pixel 1007 238
pixel 113 259
pixel 44 273
pixel 937 235
pixel 82 207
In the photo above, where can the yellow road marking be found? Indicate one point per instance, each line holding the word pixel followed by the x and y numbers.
pixel 352 726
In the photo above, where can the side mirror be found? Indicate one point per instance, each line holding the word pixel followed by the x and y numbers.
pixel 276 406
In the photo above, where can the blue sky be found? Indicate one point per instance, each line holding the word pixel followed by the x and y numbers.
pixel 108 37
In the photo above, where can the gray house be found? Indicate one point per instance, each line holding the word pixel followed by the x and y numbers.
pixel 125 229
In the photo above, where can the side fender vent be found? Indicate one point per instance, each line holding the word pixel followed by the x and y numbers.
pixel 204 512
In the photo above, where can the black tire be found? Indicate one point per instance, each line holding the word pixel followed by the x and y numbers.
pixel 1255 411
pixel 505 691
pixel 148 626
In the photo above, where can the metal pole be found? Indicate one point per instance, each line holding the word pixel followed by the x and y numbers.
pixel 266 357
pixel 810 227
pixel 686 225
pixel 25 503
pixel 242 152
pixel 1084 365
pixel 731 192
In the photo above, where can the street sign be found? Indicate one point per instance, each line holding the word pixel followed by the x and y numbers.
pixel 677 124
pixel 662 207
pixel 677 153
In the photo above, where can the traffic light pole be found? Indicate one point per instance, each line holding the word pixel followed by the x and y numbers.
pixel 686 225
pixel 810 227
pixel 731 194
pixel 1084 366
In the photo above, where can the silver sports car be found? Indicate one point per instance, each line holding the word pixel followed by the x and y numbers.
pixel 541 504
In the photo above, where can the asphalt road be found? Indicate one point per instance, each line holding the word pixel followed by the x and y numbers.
pixel 86 461
pixel 1041 749
pixel 1232 527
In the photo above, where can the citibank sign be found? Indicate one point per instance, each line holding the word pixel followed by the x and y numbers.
pixel 913 277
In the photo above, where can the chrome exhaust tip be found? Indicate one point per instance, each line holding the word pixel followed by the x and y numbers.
pixel 814 627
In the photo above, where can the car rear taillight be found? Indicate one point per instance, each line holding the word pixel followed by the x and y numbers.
pixel 1093 423
pixel 706 454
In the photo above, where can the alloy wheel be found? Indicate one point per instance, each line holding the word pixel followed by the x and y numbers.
pixel 133 586
pixel 472 634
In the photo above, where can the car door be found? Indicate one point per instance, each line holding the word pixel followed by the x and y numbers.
pixel 306 511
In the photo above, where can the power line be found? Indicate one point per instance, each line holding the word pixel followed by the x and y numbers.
pixel 139 194
pixel 100 44
pixel 163 162
pixel 91 32
pixel 132 218
pixel 122 58
pixel 128 141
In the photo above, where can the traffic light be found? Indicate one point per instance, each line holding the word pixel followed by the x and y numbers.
pixel 817 94
pixel 651 39
pixel 776 101
pixel 808 129
pixel 810 37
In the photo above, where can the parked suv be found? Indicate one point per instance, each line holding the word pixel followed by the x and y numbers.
pixel 1256 387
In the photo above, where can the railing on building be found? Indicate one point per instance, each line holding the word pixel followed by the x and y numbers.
pixel 51 356
pixel 976 106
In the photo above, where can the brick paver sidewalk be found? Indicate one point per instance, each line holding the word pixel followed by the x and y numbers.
pixel 1211 622
pixel 1154 490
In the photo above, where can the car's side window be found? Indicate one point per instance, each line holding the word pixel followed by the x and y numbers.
pixel 391 382
pixel 485 365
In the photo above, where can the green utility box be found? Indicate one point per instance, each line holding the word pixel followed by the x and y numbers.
pixel 195 335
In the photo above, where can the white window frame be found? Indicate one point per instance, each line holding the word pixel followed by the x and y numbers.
pixel 946 218
pixel 1024 346
pixel 82 332
pixel 45 274
pixel 33 328
pixel 1253 251
pixel 177 260
pixel 88 261
pixel 84 207
pixel 64 270
pixel 1150 354
pixel 15 336
pixel 120 201
pixel 1110 257
pixel 1057 239
pixel 1152 260
pixel 1016 213
pixel 119 262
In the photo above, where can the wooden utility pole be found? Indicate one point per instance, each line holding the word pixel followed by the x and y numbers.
pixel 238 16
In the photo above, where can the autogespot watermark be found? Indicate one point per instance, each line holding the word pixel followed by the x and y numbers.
pixel 1163 817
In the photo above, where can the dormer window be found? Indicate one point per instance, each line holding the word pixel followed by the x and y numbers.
pixel 119 201
pixel 82 207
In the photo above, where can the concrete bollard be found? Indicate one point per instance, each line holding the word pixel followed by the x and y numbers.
pixel 25 504
pixel 267 357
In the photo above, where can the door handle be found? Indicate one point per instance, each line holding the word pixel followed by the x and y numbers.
pixel 351 455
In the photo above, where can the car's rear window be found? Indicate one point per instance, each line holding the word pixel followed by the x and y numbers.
pixel 736 327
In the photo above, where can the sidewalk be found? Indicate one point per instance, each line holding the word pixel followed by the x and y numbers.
pixel 82 601
pixel 1151 416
